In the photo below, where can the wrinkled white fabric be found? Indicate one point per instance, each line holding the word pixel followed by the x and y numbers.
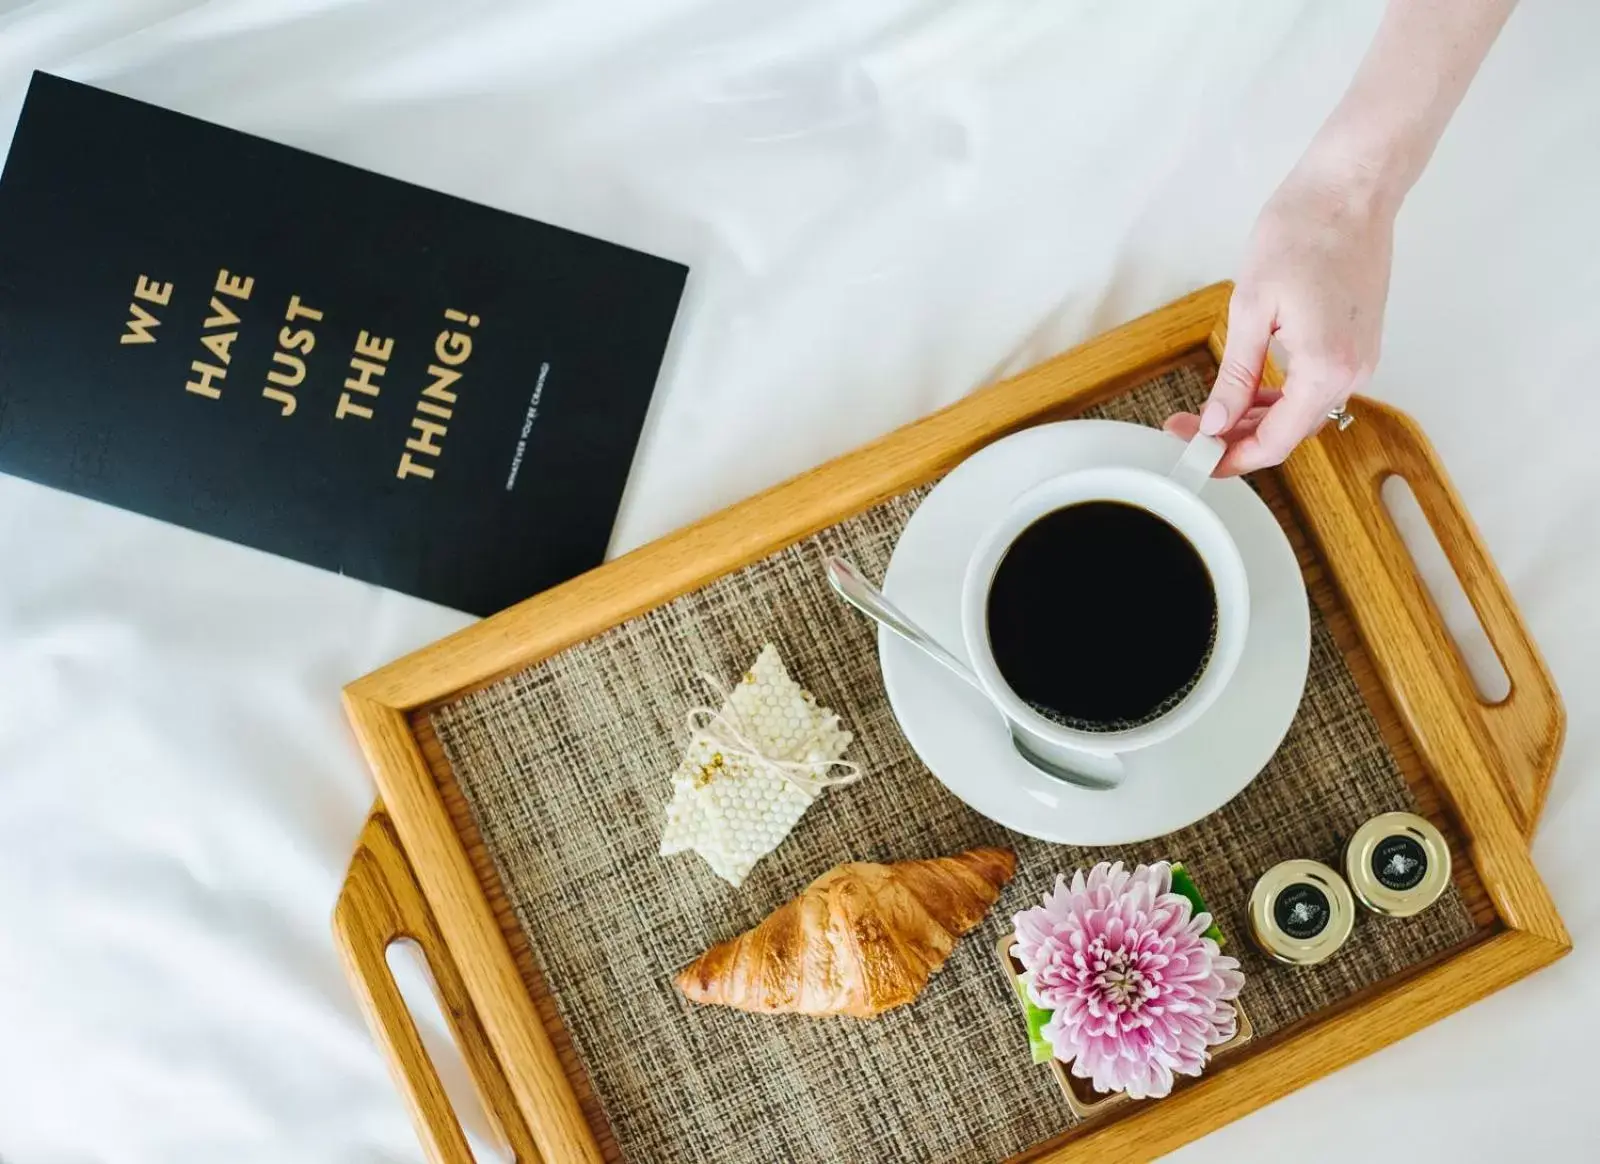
pixel 884 205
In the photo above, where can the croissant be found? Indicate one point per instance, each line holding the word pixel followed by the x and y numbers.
pixel 859 940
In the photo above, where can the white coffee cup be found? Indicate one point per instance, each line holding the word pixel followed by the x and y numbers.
pixel 1174 498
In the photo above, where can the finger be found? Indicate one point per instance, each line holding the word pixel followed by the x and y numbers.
pixel 1241 435
pixel 1296 416
pixel 1184 425
pixel 1246 425
pixel 1239 371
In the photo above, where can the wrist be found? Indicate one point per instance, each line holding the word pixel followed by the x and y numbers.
pixel 1369 174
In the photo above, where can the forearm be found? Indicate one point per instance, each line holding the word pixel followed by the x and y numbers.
pixel 1382 133
pixel 1317 271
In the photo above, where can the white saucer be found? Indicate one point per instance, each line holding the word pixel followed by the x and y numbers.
pixel 964 740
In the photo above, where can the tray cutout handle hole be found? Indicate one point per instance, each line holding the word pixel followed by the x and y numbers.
pixel 408 963
pixel 1461 622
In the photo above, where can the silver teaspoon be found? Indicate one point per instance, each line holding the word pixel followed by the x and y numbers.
pixel 853 587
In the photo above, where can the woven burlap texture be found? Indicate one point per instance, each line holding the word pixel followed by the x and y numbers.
pixel 566 767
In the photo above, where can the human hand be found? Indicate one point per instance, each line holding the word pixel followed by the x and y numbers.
pixel 1316 276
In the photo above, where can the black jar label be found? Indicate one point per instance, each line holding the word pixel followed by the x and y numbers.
pixel 1399 862
pixel 1302 911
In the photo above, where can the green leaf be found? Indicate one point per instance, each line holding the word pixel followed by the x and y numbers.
pixel 1037 1018
pixel 1184 884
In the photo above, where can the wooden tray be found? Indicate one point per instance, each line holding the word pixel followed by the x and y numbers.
pixel 1480 771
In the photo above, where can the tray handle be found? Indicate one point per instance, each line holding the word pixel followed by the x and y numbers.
pixel 1527 727
pixel 379 904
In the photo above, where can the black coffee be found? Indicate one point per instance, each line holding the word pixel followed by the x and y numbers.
pixel 1102 616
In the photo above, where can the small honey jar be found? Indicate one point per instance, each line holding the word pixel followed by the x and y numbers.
pixel 1301 912
pixel 1398 864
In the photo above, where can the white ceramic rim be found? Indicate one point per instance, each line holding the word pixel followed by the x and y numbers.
pixel 955 728
pixel 1180 508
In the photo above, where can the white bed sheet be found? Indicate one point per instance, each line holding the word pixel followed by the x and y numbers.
pixel 884 206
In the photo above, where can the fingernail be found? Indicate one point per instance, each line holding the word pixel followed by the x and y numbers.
pixel 1214 418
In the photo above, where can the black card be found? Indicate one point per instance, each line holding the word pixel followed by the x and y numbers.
pixel 302 356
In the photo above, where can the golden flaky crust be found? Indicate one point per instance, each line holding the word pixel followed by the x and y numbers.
pixel 859 940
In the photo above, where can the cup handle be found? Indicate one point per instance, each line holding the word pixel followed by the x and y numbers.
pixel 1197 462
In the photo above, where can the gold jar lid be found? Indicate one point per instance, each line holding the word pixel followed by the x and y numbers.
pixel 1398 864
pixel 1301 912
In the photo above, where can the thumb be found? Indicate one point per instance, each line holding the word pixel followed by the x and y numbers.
pixel 1243 356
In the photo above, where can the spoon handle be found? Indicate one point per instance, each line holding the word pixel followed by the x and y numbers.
pixel 871 601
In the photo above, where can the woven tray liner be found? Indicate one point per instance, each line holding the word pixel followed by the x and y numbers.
pixel 565 766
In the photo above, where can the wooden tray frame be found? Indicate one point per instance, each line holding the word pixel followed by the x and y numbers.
pixel 413 875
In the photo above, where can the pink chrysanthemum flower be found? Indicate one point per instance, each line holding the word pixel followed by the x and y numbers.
pixel 1138 994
